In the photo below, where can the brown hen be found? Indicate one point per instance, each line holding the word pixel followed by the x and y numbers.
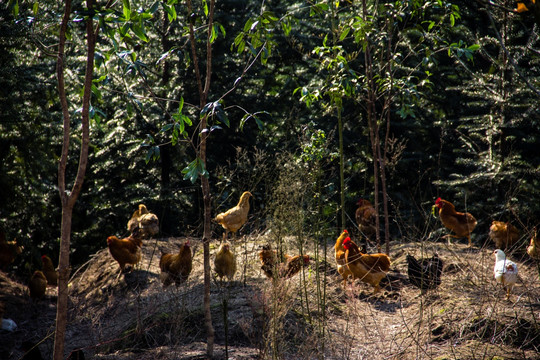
pixel 176 267
pixel 126 251
pixel 462 224
pixel 503 234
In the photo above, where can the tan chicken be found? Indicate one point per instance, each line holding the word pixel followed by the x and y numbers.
pixel 534 248
pixel 8 250
pixel 369 268
pixel 48 269
pixel 366 217
pixel 225 262
pixel 176 267
pixel 339 255
pixel 37 285
pixel 462 224
pixel 503 234
pixel 147 222
pixel 126 251
pixel 233 219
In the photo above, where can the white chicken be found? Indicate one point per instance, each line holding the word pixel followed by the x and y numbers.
pixel 505 271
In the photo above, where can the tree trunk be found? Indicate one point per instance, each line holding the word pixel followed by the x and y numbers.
pixel 341 168
pixel 201 153
pixel 69 199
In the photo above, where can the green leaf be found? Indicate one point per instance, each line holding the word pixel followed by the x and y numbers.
pixel 126 9
pixel 13 5
pixel 213 34
pixel 205 7
pixel 35 8
pixel 166 128
pixel 194 170
pixel 344 33
pixel 181 105
pixel 138 29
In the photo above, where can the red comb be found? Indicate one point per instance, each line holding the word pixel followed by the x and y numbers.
pixel 438 200
pixel 345 231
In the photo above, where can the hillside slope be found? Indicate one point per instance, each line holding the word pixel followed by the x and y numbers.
pixel 131 316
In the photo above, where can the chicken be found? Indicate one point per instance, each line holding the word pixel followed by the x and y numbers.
pixel 37 285
pixel 505 271
pixel 233 219
pixel 176 267
pixel 425 273
pixel 146 221
pixel 462 224
pixel 126 251
pixel 503 234
pixel 366 216
pixel 286 269
pixel 49 271
pixel 534 249
pixel 292 265
pixel 8 250
pixel 225 262
pixel 369 268
pixel 339 254
pixel 268 259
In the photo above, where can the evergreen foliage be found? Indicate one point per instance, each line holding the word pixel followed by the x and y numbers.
pixel 464 118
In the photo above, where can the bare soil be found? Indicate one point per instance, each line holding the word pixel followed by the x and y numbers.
pixel 131 315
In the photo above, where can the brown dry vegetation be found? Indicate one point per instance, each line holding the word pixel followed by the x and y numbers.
pixel 131 316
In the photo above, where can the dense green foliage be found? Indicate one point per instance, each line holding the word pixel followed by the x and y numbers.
pixel 458 81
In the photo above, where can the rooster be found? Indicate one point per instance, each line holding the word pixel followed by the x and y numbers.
pixel 225 262
pixel 176 267
pixel 425 273
pixel 503 234
pixel 462 224
pixel 368 268
pixel 49 271
pixel 366 217
pixel 339 254
pixel 37 285
pixel 126 251
pixel 233 219
pixel 505 271
pixel 147 222
pixel 8 250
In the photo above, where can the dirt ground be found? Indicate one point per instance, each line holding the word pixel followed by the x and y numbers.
pixel 131 316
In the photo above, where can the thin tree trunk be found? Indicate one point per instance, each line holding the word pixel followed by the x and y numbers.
pixel 383 157
pixel 68 199
pixel 341 168
pixel 205 186
pixel 373 129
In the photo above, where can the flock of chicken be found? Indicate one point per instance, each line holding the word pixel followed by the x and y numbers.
pixel 351 260
pixel 175 268
pixel 426 273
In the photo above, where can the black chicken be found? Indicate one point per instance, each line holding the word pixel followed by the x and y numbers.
pixel 425 273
